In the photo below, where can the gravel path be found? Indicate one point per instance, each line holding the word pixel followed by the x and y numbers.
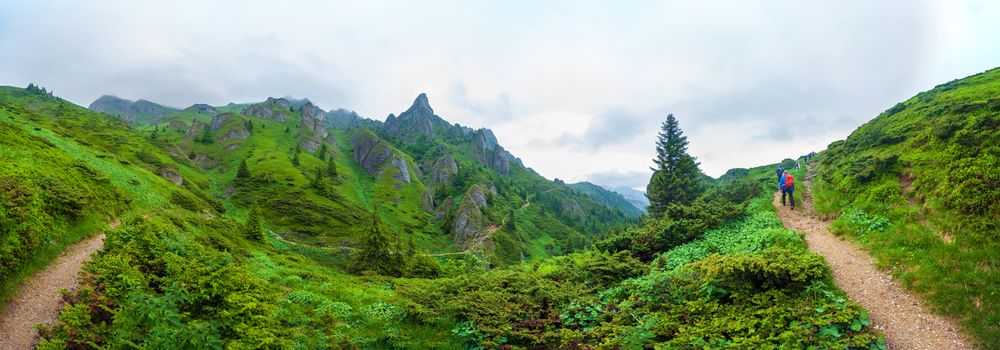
pixel 903 318
pixel 39 300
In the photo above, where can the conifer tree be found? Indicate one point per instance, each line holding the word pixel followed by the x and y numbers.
pixel 318 179
pixel 254 229
pixel 375 251
pixel 295 155
pixel 322 152
pixel 331 168
pixel 249 125
pixel 243 172
pixel 676 178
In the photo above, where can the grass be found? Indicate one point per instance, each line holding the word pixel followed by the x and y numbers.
pixel 917 187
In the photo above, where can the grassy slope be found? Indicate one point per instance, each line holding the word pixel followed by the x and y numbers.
pixel 919 186
pixel 79 177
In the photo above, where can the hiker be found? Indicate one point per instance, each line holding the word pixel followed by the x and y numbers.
pixel 780 171
pixel 787 185
pixel 796 164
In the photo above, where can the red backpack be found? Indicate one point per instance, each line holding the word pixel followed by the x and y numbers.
pixel 789 180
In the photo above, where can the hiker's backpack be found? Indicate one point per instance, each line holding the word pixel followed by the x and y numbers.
pixel 789 181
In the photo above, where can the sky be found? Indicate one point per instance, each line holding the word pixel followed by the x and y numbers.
pixel 577 89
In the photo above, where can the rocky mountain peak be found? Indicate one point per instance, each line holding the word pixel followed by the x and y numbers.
pixel 420 107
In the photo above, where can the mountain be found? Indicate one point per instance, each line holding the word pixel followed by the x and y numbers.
pixel 636 198
pixel 608 197
pixel 919 186
pixel 128 110
pixel 451 187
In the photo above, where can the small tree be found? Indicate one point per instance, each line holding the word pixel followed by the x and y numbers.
pixel 254 228
pixel 331 168
pixel 322 152
pixel 243 172
pixel 295 155
pixel 249 125
pixel 318 180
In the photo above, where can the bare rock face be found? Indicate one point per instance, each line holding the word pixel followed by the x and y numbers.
pixel 443 170
pixel 231 147
pixel 273 108
pixel 442 210
pixel 427 200
pixel 196 128
pixel 403 170
pixel 311 130
pixel 571 209
pixel 418 120
pixel 470 224
pixel 236 133
pixel 370 151
pixel 218 120
pixel 172 174
pixel 201 108
pixel 490 152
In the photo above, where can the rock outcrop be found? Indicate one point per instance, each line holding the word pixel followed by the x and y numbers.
pixel 201 108
pixel 419 120
pixel 373 153
pixel 443 170
pixel 196 128
pixel 172 174
pixel 273 108
pixel 470 225
pixel 490 152
pixel 218 120
pixel 128 110
pixel 312 131
pixel 236 133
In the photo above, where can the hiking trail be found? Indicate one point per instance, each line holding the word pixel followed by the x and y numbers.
pixel 904 319
pixel 38 301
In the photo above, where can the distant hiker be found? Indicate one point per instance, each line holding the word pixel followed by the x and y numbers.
pixel 787 185
pixel 796 164
pixel 780 171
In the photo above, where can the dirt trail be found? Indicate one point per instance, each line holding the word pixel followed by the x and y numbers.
pixel 904 319
pixel 39 300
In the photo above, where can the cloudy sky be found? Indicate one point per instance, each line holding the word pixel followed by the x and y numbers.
pixel 577 89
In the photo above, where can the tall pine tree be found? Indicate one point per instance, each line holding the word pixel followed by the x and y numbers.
pixel 676 178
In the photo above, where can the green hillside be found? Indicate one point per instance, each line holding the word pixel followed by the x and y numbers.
pixel 239 231
pixel 920 187
pixel 609 198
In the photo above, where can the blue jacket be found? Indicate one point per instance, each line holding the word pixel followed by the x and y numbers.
pixel 781 184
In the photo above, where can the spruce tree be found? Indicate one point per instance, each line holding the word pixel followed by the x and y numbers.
pixel 254 229
pixel 243 172
pixel 322 152
pixel 318 179
pixel 676 178
pixel 331 168
pixel 375 252
pixel 295 155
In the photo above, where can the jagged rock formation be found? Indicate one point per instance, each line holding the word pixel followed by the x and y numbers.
pixel 128 110
pixel 419 120
pixel 372 153
pixel 273 108
pixel 312 131
pixel 443 170
pixel 344 119
pixel 470 224
pixel 490 152
pixel 201 108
